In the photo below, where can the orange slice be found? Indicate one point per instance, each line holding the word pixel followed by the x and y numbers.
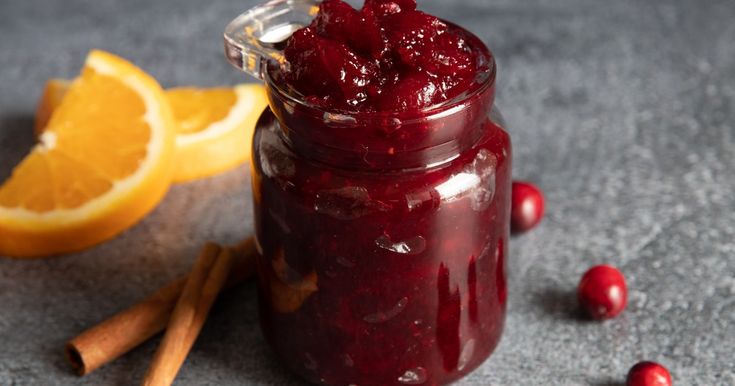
pixel 50 100
pixel 215 125
pixel 104 161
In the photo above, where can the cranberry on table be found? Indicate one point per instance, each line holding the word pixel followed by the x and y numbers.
pixel 648 374
pixel 602 292
pixel 527 206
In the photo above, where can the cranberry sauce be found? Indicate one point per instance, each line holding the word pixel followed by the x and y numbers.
pixel 386 56
pixel 383 233
pixel 382 278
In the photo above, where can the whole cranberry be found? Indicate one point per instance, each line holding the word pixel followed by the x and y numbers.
pixel 602 292
pixel 527 206
pixel 648 374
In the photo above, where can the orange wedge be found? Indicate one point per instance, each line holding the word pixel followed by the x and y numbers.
pixel 50 100
pixel 104 160
pixel 215 128
pixel 214 125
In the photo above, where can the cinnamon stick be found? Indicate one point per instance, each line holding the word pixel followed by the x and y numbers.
pixel 124 331
pixel 201 289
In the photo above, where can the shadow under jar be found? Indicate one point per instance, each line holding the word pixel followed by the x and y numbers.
pixel 383 236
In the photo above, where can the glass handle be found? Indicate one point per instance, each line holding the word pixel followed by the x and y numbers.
pixel 259 35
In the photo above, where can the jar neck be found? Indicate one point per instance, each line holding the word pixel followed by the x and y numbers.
pixel 371 146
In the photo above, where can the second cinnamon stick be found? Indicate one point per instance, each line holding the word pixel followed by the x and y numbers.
pixel 205 281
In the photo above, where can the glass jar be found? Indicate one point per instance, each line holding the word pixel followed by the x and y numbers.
pixel 383 236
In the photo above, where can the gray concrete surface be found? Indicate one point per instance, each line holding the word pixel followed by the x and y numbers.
pixel 623 111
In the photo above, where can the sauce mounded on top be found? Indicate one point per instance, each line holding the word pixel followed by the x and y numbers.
pixel 386 56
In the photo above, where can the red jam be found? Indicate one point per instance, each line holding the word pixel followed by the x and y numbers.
pixel 382 210
pixel 385 57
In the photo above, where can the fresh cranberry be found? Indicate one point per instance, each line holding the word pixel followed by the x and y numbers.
pixel 602 292
pixel 648 374
pixel 527 206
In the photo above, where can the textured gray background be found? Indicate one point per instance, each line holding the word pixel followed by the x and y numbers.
pixel 623 111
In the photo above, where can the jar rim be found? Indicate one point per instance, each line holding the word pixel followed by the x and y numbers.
pixel 484 80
